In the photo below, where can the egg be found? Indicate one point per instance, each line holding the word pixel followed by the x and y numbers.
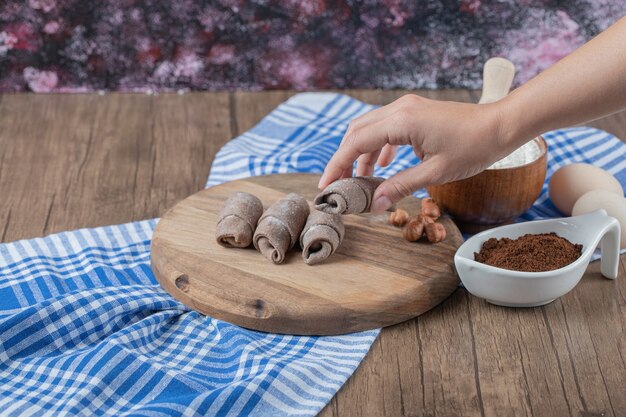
pixel 614 204
pixel 570 182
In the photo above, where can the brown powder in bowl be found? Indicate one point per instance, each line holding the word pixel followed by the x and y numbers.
pixel 529 253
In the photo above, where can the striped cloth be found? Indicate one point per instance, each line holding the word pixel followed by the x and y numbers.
pixel 86 330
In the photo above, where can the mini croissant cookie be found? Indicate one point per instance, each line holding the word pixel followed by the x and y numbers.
pixel 348 195
pixel 237 220
pixel 322 235
pixel 280 226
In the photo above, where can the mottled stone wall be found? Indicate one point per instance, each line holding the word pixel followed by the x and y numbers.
pixel 159 45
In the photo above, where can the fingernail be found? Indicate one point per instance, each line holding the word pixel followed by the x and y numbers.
pixel 322 179
pixel 381 204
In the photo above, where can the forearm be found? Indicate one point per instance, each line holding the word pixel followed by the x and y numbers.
pixel 587 84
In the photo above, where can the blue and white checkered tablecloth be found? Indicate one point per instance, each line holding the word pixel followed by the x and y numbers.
pixel 86 330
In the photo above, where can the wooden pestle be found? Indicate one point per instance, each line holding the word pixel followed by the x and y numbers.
pixel 498 74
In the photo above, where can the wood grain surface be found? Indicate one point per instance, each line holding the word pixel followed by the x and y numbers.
pixel 375 279
pixel 69 161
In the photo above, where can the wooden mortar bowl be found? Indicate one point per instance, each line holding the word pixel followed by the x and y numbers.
pixel 495 196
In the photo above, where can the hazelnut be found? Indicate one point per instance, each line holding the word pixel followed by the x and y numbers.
pixel 435 232
pixel 425 219
pixel 430 208
pixel 414 229
pixel 399 217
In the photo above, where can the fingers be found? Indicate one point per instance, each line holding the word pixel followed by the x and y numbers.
pixel 387 155
pixel 368 134
pixel 373 116
pixel 346 172
pixel 366 163
pixel 404 184
pixel 356 143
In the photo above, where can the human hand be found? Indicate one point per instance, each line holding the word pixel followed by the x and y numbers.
pixel 453 140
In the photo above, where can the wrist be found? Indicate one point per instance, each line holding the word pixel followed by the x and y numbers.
pixel 512 125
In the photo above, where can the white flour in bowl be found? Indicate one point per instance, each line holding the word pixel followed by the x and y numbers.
pixel 521 156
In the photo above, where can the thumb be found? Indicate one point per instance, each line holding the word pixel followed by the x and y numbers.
pixel 403 184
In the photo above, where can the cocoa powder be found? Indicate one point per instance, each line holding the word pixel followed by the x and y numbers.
pixel 529 253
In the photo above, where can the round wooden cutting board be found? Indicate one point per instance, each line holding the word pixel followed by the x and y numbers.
pixel 375 279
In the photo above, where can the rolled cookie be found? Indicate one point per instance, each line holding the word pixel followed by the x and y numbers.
pixel 280 226
pixel 237 220
pixel 348 195
pixel 322 235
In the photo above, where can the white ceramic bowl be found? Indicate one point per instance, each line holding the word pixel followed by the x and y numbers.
pixel 529 289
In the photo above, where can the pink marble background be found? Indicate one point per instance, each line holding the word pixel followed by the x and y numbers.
pixel 158 45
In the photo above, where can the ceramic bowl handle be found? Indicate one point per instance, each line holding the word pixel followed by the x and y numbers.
pixel 498 75
pixel 610 249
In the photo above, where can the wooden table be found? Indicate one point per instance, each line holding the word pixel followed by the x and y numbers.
pixel 71 161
